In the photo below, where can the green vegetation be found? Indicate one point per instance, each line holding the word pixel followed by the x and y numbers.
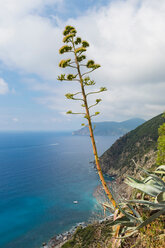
pixel 150 236
pixel 161 144
pixel 136 145
pixel 94 235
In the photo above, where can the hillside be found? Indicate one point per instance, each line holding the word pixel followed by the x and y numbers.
pixel 111 127
pixel 139 144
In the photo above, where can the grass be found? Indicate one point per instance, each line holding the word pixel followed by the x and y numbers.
pixel 94 235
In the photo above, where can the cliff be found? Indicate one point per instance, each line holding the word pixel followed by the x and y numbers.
pixel 139 145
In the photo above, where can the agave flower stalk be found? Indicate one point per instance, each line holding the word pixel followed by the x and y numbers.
pixel 77 47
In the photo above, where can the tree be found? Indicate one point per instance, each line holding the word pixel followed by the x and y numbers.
pixel 77 47
pixel 161 144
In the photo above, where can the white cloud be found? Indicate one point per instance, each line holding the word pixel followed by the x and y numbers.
pixel 127 38
pixel 28 40
pixel 15 119
pixel 3 87
pixel 19 8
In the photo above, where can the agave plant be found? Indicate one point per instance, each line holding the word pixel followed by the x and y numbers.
pixel 130 219
pixel 152 185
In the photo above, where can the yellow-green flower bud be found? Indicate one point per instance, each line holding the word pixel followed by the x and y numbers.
pixel 103 89
pixel 80 49
pixel 85 43
pixel 65 49
pixel 69 96
pixel 97 113
pixel 64 63
pixel 69 112
pixel 67 38
pixel 90 63
pixel 61 77
pixel 82 57
pixel 98 100
pixel 77 41
pixel 70 76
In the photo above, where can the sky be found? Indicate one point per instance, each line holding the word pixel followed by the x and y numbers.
pixel 126 37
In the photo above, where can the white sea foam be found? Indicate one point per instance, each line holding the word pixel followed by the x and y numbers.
pixel 55 144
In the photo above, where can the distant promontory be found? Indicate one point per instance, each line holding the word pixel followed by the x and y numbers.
pixel 111 128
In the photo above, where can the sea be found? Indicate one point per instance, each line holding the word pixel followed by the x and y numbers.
pixel 42 175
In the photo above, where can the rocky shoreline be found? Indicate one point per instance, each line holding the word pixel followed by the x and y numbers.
pixel 58 240
pixel 117 186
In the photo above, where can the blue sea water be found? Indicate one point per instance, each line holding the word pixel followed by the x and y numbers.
pixel 41 174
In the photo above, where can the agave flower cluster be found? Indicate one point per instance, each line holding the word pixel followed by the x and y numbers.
pixel 75 45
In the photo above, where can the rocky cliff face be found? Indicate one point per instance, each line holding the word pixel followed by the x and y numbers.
pixel 139 145
pixel 136 149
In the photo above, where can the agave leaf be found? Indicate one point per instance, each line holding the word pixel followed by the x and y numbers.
pixel 135 212
pixel 150 180
pixel 127 236
pixel 161 167
pixel 122 221
pixel 156 178
pixel 150 219
pixel 108 205
pixel 146 188
pixel 152 204
pixel 143 196
pixel 129 216
pixel 161 198
pixel 155 183
pixel 142 178
pixel 133 179
pixel 160 172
